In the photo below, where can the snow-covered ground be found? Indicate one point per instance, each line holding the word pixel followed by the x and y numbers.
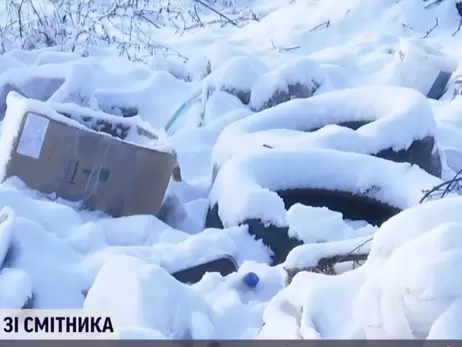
pixel 219 90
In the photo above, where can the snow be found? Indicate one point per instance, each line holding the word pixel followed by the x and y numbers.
pixel 15 288
pixel 313 224
pixel 65 83
pixel 319 313
pixel 406 289
pixel 225 77
pixel 145 95
pixel 261 90
pixel 177 69
pixel 211 59
pixel 449 125
pixel 6 216
pixel 422 289
pixel 443 327
pixel 126 284
pixel 415 221
pixel 308 255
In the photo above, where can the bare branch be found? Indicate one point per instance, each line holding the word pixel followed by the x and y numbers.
pixel 218 13
pixel 458 28
pixel 325 25
pixel 451 186
pixel 431 29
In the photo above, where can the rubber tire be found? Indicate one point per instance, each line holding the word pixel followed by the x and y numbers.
pixel 352 207
pixel 421 152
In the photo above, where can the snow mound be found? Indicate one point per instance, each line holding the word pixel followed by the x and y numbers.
pixel 71 83
pixel 26 204
pixel 407 289
pixel 153 98
pixel 219 105
pixel 445 326
pixel 176 68
pixel 208 135
pixel 149 231
pixel 396 117
pixel 447 116
pixel 337 76
pixel 146 296
pixel 300 79
pixel 62 251
pixel 28 57
pixel 108 83
pixel 237 76
pixel 308 255
pixel 7 63
pixel 415 221
pixel 244 190
pixel 319 224
pixel 15 288
pixel 209 245
pixel 6 218
pixel 210 59
pixel 425 284
pixel 194 145
pixel 175 255
pixel 56 58
pixel 50 264
pixel 311 307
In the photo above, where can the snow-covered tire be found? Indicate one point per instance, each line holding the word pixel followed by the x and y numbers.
pixel 286 83
pixel 393 123
pixel 258 188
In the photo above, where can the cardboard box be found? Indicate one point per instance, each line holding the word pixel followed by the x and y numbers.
pixel 84 157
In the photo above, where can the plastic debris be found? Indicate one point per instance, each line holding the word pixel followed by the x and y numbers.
pixel 251 280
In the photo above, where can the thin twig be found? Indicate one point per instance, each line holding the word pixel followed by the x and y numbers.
pixel 433 4
pixel 283 49
pixel 433 28
pixel 448 185
pixel 217 12
pixel 326 265
pixel 458 28
pixel 341 259
pixel 326 24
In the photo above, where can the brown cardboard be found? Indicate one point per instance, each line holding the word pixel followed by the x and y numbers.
pixel 79 164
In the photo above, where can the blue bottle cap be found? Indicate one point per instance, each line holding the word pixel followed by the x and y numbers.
pixel 251 280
